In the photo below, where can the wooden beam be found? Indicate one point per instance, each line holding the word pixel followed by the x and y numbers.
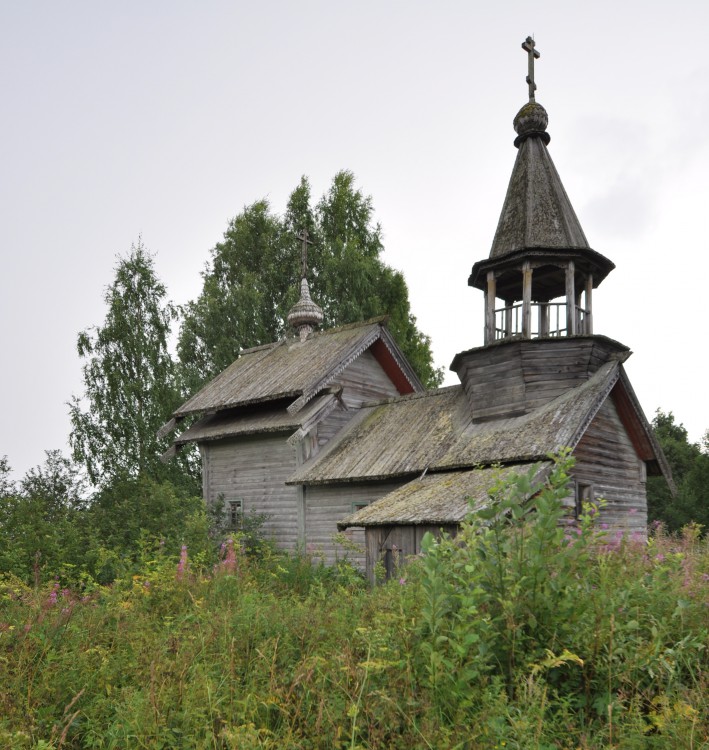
pixel 589 305
pixel 526 299
pixel 490 308
pixel 570 300
pixel 543 319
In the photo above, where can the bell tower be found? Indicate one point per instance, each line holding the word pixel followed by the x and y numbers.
pixel 538 283
pixel 539 278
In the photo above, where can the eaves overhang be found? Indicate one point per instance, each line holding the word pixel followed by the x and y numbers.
pixel 588 259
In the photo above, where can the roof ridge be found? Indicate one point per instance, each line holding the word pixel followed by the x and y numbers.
pixel 411 396
pixel 381 319
pixel 261 347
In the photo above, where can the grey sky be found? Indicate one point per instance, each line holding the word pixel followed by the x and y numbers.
pixel 166 118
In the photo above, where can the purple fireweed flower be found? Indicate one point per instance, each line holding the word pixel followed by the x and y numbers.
pixel 229 562
pixel 660 557
pixel 53 594
pixel 183 564
pixel 402 581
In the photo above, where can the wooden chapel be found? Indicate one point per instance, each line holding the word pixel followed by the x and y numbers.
pixel 332 429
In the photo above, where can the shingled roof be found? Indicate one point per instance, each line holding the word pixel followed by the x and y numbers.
pixel 291 368
pixel 537 211
pixel 434 431
pixel 439 498
pixel 254 420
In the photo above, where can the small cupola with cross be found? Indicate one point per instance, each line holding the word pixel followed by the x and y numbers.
pixel 305 314
pixel 539 278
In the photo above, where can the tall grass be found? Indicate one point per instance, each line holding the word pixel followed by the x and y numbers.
pixel 520 634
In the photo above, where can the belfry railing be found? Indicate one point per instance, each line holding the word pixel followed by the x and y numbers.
pixel 547 320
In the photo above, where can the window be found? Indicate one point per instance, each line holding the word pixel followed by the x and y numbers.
pixel 236 514
pixel 584 495
pixel 359 505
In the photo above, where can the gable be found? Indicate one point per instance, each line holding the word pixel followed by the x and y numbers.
pixel 299 370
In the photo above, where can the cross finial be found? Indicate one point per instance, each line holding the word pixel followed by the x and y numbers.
pixel 528 47
pixel 305 239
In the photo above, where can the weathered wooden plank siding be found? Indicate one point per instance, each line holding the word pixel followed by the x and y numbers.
pixel 326 505
pixel 255 469
pixel 607 460
pixel 517 377
pixel 363 380
pixel 494 382
pixel 392 545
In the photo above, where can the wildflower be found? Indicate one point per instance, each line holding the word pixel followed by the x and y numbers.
pixel 53 595
pixel 660 557
pixel 183 564
pixel 229 562
pixel 402 581
pixel 604 527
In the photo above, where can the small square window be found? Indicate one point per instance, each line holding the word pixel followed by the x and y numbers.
pixel 358 506
pixel 236 514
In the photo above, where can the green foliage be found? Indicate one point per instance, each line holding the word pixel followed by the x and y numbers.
pixel 252 281
pixel 42 521
pixel 690 469
pixel 130 386
pixel 520 634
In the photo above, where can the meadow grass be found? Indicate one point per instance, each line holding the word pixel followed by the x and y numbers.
pixel 520 634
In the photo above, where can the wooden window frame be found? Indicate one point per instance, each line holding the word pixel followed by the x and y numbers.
pixel 583 494
pixel 236 513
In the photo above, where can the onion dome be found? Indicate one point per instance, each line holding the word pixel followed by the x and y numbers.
pixel 305 314
pixel 532 119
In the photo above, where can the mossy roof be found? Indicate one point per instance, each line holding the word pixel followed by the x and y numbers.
pixel 537 211
pixel 444 498
pixel 434 431
pixel 273 417
pixel 291 368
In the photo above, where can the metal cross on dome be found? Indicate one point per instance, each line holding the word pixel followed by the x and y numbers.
pixel 528 47
pixel 303 237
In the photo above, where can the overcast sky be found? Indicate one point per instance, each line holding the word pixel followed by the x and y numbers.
pixel 163 119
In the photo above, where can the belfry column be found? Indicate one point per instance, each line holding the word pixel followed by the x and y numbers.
pixel 490 293
pixel 588 322
pixel 526 299
pixel 570 300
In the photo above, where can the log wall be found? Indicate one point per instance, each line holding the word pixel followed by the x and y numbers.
pixel 513 378
pixel 254 469
pixel 325 505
